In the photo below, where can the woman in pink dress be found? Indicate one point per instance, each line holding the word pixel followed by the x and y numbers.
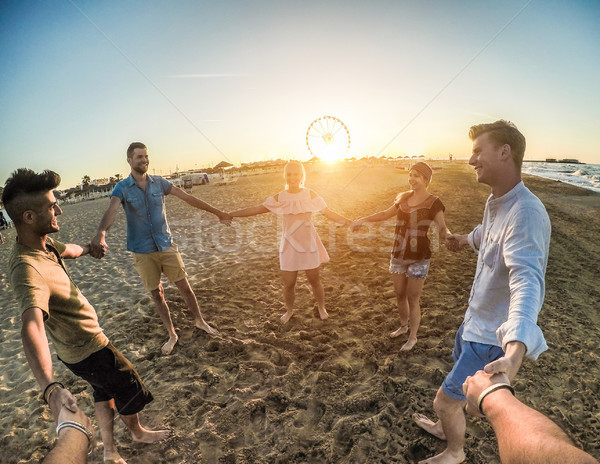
pixel 301 248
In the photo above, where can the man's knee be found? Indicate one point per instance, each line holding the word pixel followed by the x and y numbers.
pixel 158 294
pixel 444 404
pixel 184 287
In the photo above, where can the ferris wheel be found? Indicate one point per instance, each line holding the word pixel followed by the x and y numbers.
pixel 328 138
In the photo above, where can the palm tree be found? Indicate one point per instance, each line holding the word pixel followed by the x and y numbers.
pixel 85 180
pixel 118 177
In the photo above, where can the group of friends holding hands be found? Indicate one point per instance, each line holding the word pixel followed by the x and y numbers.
pixel 499 329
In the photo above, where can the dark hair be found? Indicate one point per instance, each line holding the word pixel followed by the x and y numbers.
pixel 133 146
pixel 503 132
pixel 23 188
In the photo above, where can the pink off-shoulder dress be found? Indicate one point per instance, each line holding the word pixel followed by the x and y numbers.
pixel 300 248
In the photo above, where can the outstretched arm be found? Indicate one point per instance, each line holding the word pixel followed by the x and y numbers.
pixel 35 346
pixel 198 203
pixel 376 217
pixel 98 244
pixel 73 251
pixel 250 211
pixel 441 223
pixel 335 217
pixel 524 434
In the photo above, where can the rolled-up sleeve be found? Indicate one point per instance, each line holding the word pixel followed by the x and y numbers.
pixel 474 238
pixel 525 255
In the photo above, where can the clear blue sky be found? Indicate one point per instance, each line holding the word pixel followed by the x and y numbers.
pixel 200 82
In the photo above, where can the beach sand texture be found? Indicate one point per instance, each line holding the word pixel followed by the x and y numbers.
pixel 335 391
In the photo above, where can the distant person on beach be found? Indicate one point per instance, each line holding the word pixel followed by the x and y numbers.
pixel 3 225
pixel 149 237
pixel 3 221
pixel 51 303
pixel 524 434
pixel 415 211
pixel 500 324
pixel 301 248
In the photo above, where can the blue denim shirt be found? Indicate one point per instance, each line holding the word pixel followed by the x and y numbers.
pixel 147 227
pixel 508 289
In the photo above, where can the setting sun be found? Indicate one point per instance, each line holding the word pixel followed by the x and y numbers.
pixel 328 138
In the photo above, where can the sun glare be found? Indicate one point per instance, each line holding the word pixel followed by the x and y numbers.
pixel 328 138
pixel 332 153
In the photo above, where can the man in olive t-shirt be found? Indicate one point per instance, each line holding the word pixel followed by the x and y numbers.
pixel 51 303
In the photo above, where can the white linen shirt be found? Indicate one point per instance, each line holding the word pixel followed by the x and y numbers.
pixel 512 244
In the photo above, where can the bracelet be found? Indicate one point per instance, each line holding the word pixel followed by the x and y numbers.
pixel 49 389
pixel 491 389
pixel 77 426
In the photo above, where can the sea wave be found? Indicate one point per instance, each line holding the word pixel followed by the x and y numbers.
pixel 582 175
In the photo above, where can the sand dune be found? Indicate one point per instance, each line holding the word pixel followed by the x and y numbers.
pixel 335 391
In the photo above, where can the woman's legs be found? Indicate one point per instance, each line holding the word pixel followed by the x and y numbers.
pixel 399 281
pixel 289 293
pixel 414 287
pixel 315 282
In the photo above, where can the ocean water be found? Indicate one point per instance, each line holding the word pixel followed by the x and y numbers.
pixel 582 175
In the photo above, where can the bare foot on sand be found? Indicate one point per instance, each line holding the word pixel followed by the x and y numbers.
pixel 201 324
pixel 323 314
pixel 446 457
pixel 150 436
pixel 434 428
pixel 113 457
pixel 286 317
pixel 399 331
pixel 168 347
pixel 409 344
pixel 119 460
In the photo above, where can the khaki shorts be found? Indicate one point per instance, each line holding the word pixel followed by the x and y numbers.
pixel 151 266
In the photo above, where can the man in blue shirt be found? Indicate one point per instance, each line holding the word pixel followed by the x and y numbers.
pixel 500 325
pixel 149 237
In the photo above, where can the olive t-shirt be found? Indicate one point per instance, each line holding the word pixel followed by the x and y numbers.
pixel 40 279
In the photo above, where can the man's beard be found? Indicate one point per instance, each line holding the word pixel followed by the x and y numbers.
pixel 141 170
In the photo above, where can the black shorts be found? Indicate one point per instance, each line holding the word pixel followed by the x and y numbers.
pixel 112 376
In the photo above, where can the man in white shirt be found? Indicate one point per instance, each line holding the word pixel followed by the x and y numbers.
pixel 500 325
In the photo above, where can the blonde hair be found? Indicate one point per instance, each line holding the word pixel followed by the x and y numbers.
pixel 299 165
pixel 503 132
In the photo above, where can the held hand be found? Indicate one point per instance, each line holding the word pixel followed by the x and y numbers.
pixel 456 242
pixel 59 399
pixel 98 246
pixel 225 218
pixel 477 383
pixel 355 225
pixel 77 416
pixel 510 363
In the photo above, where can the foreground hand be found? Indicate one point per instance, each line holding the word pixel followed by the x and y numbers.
pixel 475 384
pixel 78 416
pixel 59 399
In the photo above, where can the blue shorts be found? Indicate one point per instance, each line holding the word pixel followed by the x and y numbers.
pixel 469 357
pixel 412 268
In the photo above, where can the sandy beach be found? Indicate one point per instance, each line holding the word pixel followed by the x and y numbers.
pixel 312 391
